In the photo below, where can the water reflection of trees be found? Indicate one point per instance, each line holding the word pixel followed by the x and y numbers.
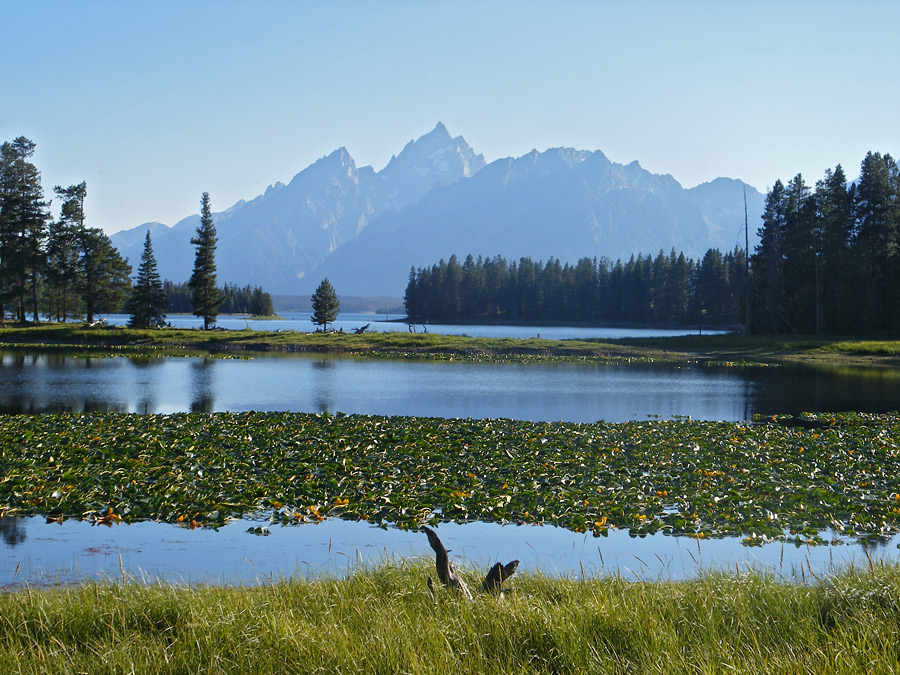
pixel 13 405
pixel 324 385
pixel 12 530
pixel 203 386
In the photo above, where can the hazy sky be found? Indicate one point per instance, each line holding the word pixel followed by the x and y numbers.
pixel 154 102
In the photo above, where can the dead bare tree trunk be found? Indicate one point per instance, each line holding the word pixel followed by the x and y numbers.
pixel 493 582
pixel 444 567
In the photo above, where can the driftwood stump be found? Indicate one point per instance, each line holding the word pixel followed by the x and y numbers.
pixel 444 567
pixel 493 582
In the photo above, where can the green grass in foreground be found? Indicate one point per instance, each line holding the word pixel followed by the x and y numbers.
pixel 384 621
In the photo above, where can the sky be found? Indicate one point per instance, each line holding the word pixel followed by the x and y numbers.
pixel 153 103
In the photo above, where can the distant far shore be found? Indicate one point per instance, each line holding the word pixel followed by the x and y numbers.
pixel 725 348
pixel 569 324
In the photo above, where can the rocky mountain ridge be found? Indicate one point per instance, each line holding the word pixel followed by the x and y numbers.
pixel 365 229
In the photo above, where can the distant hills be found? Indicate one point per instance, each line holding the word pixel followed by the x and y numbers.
pixel 364 229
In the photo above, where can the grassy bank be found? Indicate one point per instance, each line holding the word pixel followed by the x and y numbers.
pixel 385 621
pixel 766 349
pixel 784 479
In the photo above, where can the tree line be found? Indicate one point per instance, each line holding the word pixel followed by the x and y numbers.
pixel 645 289
pixel 828 260
pixel 59 267
pixel 63 269
pixel 235 299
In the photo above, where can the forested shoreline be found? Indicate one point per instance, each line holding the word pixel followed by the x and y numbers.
pixel 235 299
pixel 827 262
pixel 667 289
pixel 63 269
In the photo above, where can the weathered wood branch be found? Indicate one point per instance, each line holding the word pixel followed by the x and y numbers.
pixel 493 582
pixel 444 567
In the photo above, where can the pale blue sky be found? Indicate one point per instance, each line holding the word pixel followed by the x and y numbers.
pixel 154 102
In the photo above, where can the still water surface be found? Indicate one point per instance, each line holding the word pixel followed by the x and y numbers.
pixel 38 553
pixel 49 383
pixel 35 552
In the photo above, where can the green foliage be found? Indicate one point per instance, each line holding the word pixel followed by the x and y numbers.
pixel 147 303
pixel 325 305
pixel 667 289
pixel 63 271
pixel 235 300
pixel 104 282
pixel 23 228
pixel 205 296
pixel 382 620
pixel 827 259
pixel 783 480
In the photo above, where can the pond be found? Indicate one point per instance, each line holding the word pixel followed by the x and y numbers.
pixel 41 553
pixel 57 382
pixel 38 553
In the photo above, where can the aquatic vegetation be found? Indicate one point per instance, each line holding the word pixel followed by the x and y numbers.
pixel 776 480
pixel 740 363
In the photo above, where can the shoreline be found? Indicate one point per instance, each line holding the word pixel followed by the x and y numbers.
pixel 722 347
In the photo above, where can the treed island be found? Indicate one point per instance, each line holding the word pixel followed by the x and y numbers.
pixel 821 284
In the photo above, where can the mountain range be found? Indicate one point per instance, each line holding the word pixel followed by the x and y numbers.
pixel 364 229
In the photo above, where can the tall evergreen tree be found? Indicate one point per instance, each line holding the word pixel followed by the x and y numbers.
pixel 261 303
pixel 325 304
pixel 768 263
pixel 103 279
pixel 147 303
pixel 62 269
pixel 412 298
pixel 834 212
pixel 205 296
pixel 877 231
pixel 23 227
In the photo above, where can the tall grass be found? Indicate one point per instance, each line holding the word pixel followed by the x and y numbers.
pixel 383 620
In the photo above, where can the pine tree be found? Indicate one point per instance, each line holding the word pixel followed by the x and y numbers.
pixel 23 226
pixel 147 303
pixel 412 298
pixel 205 296
pixel 261 303
pixel 834 212
pixel 62 268
pixel 877 229
pixel 325 305
pixel 103 280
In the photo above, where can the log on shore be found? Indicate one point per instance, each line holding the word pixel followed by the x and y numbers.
pixel 493 582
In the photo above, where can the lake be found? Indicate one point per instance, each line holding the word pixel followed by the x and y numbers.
pixel 59 382
pixel 39 553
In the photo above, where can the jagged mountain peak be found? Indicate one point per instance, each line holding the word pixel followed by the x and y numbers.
pixel 438 197
pixel 429 149
pixel 429 160
pixel 337 163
